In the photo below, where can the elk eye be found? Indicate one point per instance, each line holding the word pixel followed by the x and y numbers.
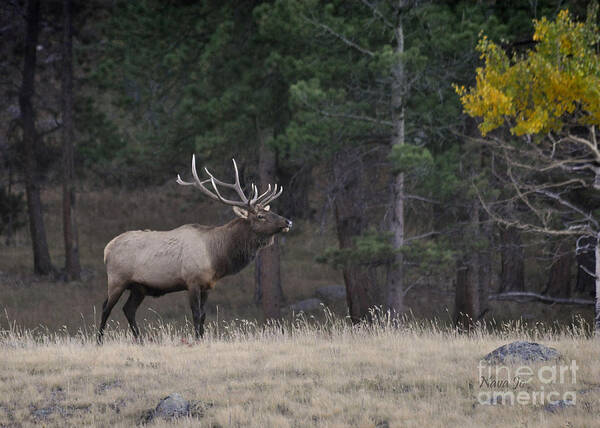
pixel 260 216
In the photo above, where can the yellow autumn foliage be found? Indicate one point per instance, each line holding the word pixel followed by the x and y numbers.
pixel 553 85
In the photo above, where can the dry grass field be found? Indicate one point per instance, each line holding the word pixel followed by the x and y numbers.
pixel 324 375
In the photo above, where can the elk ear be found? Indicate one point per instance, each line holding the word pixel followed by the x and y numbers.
pixel 240 212
pixel 267 208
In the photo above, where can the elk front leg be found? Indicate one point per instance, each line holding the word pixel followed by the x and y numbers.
pixel 197 303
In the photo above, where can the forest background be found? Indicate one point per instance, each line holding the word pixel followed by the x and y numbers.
pixel 398 198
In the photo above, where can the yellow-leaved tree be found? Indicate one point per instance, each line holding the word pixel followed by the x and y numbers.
pixel 540 109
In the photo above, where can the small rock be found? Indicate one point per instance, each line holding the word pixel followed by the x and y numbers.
pixel 589 390
pixel 492 401
pixel 105 386
pixel 146 417
pixel 306 305
pixel 172 406
pixel 64 411
pixel 57 394
pixel 43 412
pixel 521 351
pixel 558 405
pixel 331 293
pixel 117 405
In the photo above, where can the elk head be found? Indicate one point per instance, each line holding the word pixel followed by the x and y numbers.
pixel 255 209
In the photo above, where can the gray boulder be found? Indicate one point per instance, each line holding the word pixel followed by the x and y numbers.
pixel 105 386
pixel 175 406
pixel 331 293
pixel 307 305
pixel 521 352
pixel 172 406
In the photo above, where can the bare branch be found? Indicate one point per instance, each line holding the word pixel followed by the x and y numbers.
pixel 586 270
pixel 526 296
pixel 563 164
pixel 377 13
pixel 340 37
pixel 405 292
pixel 536 154
pixel 589 144
pixel 346 115
pixel 355 117
pixel 569 205
pixel 526 227
pixel 520 194
pixel 421 198
pixel 421 236
pixel 534 189
pixel 50 130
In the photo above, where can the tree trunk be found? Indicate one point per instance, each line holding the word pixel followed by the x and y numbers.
pixel 268 276
pixel 586 262
pixel 597 272
pixel 485 270
pixel 559 279
pixel 597 280
pixel 350 220
pixel 486 230
pixel 467 299
pixel 395 295
pixel 9 230
pixel 296 204
pixel 467 308
pixel 512 274
pixel 41 257
pixel 72 267
pixel 466 303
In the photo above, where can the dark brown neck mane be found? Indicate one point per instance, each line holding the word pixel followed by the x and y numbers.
pixel 234 246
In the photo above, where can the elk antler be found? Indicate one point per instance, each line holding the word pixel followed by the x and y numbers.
pixel 256 200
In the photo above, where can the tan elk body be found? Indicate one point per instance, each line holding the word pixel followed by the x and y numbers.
pixel 159 259
pixel 192 257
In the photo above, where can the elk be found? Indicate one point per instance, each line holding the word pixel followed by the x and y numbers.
pixel 192 257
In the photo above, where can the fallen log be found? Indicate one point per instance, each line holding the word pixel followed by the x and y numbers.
pixel 526 296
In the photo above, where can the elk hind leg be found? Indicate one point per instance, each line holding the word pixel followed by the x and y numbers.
pixel 203 298
pixel 133 302
pixel 109 303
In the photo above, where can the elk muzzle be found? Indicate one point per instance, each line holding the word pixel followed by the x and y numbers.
pixel 288 225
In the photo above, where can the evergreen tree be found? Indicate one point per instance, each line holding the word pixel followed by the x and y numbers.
pixel 72 266
pixel 41 256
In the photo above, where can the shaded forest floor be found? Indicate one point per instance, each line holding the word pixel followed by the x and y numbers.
pixel 327 374
pixel 103 214
pixel 47 305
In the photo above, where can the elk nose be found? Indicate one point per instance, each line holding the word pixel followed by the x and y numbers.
pixel 289 223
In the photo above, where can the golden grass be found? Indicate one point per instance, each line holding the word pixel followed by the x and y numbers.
pixel 330 374
pixel 309 374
